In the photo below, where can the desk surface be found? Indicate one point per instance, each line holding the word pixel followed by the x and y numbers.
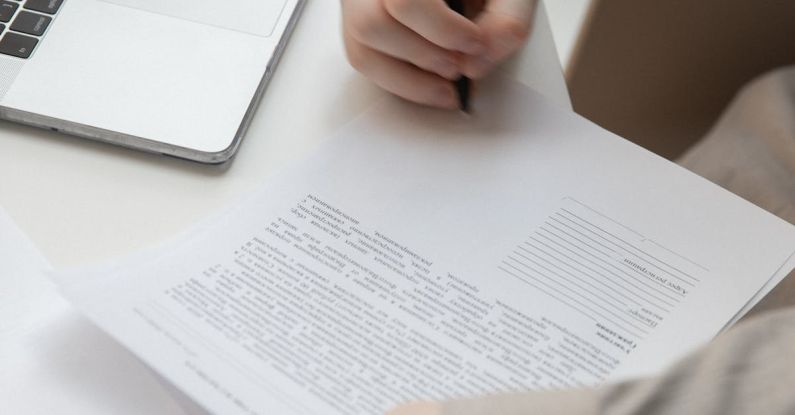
pixel 82 202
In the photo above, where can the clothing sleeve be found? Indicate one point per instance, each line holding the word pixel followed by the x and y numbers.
pixel 751 152
pixel 748 370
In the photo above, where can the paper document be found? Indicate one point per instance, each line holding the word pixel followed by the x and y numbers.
pixel 52 360
pixel 424 255
pixel 777 278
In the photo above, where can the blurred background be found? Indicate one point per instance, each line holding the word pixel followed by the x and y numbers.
pixel 659 73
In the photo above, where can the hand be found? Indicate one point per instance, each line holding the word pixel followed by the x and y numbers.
pixel 414 48
pixel 505 24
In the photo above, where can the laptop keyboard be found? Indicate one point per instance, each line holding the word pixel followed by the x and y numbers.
pixel 22 23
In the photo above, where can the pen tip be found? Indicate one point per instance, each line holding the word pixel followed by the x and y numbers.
pixel 462 86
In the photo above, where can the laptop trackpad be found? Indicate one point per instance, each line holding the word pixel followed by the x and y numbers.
pixel 257 17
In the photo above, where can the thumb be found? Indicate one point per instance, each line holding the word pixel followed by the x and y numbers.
pixel 505 25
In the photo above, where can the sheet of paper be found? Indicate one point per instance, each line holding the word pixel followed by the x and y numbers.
pixel 52 359
pixel 776 279
pixel 424 254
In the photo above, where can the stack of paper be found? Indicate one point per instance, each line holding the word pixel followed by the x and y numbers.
pixel 54 361
pixel 424 255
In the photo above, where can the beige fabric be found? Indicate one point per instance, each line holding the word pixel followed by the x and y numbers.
pixel 751 152
pixel 751 368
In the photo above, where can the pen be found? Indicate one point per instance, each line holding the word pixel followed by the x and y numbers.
pixel 462 83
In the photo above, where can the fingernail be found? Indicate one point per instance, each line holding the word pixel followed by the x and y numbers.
pixel 473 47
pixel 444 97
pixel 446 68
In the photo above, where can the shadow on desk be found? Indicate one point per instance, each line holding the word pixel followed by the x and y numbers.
pixel 147 160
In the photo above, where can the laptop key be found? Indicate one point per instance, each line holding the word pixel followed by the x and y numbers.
pixel 7 10
pixel 2 27
pixel 44 6
pixel 17 45
pixel 31 23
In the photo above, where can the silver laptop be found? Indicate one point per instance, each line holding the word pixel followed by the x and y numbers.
pixel 175 77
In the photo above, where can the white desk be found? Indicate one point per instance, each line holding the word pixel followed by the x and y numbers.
pixel 82 202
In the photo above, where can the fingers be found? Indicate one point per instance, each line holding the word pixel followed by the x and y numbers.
pixel 412 48
pixel 420 408
pixel 382 32
pixel 436 22
pixel 505 25
pixel 401 78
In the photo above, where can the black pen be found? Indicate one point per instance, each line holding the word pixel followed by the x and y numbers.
pixel 462 83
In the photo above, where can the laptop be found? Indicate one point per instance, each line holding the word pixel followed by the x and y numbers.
pixel 174 77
